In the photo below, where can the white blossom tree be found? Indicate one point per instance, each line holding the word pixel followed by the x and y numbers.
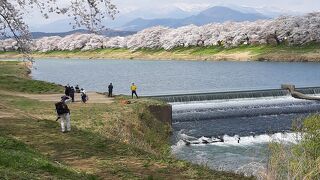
pixel 85 13
pixel 148 38
pixel 290 30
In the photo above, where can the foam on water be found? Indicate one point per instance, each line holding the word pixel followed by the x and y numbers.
pixel 287 100
pixel 249 156
pixel 244 141
pixel 252 107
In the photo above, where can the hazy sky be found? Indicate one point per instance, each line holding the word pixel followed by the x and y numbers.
pixel 289 5
pixel 125 6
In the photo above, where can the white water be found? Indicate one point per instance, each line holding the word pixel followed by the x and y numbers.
pixel 293 138
pixel 249 156
pixel 287 100
pixel 204 120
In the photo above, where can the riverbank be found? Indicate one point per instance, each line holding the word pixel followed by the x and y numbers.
pixel 122 140
pixel 305 53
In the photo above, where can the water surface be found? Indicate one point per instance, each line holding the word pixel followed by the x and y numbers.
pixel 174 77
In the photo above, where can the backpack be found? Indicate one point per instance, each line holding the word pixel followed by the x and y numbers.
pixel 62 108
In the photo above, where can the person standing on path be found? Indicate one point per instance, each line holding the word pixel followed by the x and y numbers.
pixel 72 91
pixel 64 113
pixel 134 90
pixel 77 89
pixel 110 89
pixel 66 90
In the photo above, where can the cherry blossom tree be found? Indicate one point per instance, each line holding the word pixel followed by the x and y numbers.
pixel 148 38
pixel 85 13
pixel 289 30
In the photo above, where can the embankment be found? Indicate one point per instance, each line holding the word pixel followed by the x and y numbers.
pixel 305 53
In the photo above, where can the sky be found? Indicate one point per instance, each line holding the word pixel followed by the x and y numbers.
pixel 195 6
pixel 288 5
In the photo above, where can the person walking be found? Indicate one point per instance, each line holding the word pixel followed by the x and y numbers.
pixel 64 113
pixel 72 91
pixel 110 89
pixel 134 90
pixel 84 96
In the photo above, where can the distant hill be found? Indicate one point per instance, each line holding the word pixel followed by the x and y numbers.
pixel 124 16
pixel 217 14
pixel 107 33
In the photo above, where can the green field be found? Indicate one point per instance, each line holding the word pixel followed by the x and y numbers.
pixel 14 76
pixel 309 52
pixel 107 141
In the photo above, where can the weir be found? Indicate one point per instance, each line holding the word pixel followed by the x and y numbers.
pixel 234 95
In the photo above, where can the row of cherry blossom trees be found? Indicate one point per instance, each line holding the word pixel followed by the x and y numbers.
pixel 290 30
pixel 87 14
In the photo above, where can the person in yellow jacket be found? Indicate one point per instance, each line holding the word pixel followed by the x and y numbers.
pixel 134 90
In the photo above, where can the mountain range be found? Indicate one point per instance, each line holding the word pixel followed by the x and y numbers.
pixel 128 23
pixel 138 19
pixel 217 14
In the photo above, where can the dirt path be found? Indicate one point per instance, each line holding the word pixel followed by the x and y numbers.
pixel 93 97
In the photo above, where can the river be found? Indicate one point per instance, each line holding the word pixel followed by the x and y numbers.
pixel 174 77
pixel 247 125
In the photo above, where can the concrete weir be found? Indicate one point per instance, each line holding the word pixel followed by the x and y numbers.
pixel 301 93
pixel 296 94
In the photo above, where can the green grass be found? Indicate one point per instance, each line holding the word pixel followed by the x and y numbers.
pixel 282 52
pixel 299 161
pixel 14 77
pixel 254 49
pixel 18 161
pixel 212 50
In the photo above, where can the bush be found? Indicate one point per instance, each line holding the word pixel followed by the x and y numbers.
pixel 300 161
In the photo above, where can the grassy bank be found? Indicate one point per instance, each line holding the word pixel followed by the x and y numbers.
pixel 14 76
pixel 309 52
pixel 300 161
pixel 107 141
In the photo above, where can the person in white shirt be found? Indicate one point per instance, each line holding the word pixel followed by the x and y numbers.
pixel 84 96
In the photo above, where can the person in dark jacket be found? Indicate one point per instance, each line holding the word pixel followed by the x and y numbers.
pixel 64 113
pixel 77 89
pixel 110 89
pixel 66 90
pixel 71 93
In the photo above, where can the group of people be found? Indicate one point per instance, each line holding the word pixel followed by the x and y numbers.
pixel 62 109
pixel 64 112
pixel 133 89
pixel 70 92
